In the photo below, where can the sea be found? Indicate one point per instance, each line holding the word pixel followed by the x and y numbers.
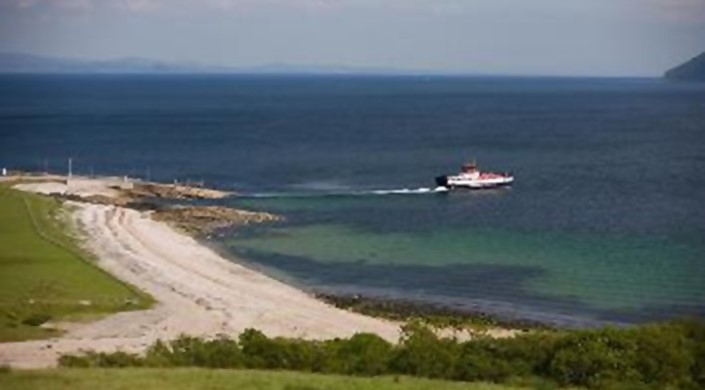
pixel 605 223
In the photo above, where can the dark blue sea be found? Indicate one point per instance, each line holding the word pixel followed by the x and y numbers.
pixel 605 222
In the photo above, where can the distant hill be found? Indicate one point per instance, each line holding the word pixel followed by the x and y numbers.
pixel 691 70
pixel 31 63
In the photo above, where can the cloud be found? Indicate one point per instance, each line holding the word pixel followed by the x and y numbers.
pixel 151 5
pixel 248 4
pixel 142 5
pixel 131 5
pixel 663 10
pixel 675 10
pixel 68 4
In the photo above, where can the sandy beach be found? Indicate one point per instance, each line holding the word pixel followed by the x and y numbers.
pixel 198 292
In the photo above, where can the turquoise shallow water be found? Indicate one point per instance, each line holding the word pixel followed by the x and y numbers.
pixel 573 279
pixel 600 272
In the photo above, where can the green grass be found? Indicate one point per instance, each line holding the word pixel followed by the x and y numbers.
pixel 191 378
pixel 44 275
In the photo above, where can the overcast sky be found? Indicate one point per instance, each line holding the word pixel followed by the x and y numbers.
pixel 529 37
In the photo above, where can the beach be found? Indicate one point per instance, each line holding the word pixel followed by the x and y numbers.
pixel 198 292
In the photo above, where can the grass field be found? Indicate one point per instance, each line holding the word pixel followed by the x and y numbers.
pixel 44 275
pixel 190 378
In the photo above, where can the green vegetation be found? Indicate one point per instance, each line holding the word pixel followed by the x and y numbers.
pixel 189 378
pixel 44 275
pixel 658 356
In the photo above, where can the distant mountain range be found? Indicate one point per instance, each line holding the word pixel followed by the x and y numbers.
pixel 31 63
pixel 691 70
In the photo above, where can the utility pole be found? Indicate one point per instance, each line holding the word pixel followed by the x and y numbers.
pixel 70 167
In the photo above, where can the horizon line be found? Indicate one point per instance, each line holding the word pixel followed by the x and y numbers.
pixel 328 69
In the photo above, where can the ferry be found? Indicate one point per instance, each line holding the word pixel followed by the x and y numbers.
pixel 471 177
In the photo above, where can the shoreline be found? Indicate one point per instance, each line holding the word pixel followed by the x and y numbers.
pixel 432 314
pixel 198 293
pixel 112 189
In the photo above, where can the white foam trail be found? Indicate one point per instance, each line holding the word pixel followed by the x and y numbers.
pixel 410 191
pixel 401 191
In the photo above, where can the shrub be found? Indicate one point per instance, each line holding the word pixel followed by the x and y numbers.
pixel 479 361
pixel 422 353
pixel 191 351
pixel 363 354
pixel 694 331
pixel 99 359
pixel 300 355
pixel 159 354
pixel 639 358
pixel 498 360
pixel 261 352
pixel 74 361
pixel 590 358
pixel 665 355
pixel 118 359
pixel 223 353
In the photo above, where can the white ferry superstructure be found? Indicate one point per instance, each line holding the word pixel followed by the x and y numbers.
pixel 472 178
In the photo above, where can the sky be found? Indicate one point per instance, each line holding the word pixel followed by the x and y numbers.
pixel 499 37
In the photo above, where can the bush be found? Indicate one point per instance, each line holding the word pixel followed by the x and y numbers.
pixel 299 355
pixel 263 353
pixel 422 353
pixel 363 354
pixel 99 359
pixel 74 361
pixel 191 351
pixel 479 361
pixel 498 360
pixel 647 357
pixel 591 358
pixel 695 332
pixel 665 355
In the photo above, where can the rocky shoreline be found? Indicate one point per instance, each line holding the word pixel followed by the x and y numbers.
pixel 196 221
pixel 203 220
pixel 152 198
pixel 173 191
pixel 435 315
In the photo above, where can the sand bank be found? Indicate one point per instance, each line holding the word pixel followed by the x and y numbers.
pixel 198 292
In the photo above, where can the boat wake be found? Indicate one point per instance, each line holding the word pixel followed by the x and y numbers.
pixel 410 191
pixel 319 194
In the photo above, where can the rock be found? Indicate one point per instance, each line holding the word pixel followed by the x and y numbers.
pixel 204 220
pixel 173 191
